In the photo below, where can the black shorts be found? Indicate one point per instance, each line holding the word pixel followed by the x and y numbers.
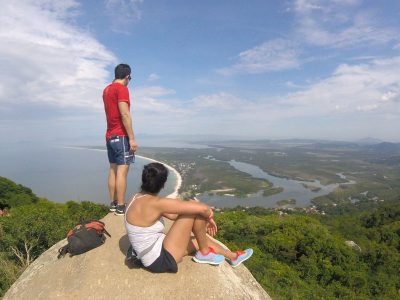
pixel 164 263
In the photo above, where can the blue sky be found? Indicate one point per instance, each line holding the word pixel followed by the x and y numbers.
pixel 241 69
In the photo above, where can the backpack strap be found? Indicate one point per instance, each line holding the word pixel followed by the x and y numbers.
pixel 106 232
pixel 62 251
pixel 99 226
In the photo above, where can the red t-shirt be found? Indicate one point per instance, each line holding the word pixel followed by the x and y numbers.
pixel 112 94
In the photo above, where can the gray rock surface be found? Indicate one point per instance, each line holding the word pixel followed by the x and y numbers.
pixel 102 274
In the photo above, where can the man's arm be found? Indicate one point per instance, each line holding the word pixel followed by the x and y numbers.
pixel 127 121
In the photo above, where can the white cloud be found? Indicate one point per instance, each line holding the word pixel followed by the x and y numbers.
pixel 307 6
pixel 367 87
pixel 391 96
pixel 153 91
pixel 155 99
pixel 45 59
pixel 219 101
pixel 153 77
pixel 368 92
pixel 274 55
pixel 338 24
pixel 123 13
pixel 347 2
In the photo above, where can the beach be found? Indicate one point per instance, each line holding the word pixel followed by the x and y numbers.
pixel 178 183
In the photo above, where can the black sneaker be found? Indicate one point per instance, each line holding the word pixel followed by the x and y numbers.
pixel 120 210
pixel 113 205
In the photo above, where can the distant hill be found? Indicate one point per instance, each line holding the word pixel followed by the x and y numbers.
pixel 380 149
pixel 334 145
pixel 13 194
pixel 368 145
pixel 272 144
pixel 384 148
pixel 369 141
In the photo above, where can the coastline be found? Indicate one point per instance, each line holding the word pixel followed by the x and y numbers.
pixel 178 182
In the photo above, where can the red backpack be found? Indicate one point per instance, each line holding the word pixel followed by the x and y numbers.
pixel 83 237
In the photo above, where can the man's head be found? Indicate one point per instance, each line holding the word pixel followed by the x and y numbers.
pixel 123 72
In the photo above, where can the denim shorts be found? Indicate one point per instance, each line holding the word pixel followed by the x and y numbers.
pixel 118 151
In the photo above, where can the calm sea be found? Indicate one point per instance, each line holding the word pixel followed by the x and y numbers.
pixel 61 174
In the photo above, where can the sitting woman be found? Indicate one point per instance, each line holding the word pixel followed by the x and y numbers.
pixel 161 252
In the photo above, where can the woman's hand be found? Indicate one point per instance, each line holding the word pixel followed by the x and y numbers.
pixel 211 214
pixel 211 227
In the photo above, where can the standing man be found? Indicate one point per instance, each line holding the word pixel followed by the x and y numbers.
pixel 120 138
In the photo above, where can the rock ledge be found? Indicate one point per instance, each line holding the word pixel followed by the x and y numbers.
pixel 102 274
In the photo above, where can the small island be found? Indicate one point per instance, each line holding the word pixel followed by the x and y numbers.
pixel 311 187
pixel 286 202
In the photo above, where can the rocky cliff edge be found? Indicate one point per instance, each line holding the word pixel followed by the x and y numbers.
pixel 103 274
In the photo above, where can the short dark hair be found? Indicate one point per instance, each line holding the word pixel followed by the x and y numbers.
pixel 121 71
pixel 154 176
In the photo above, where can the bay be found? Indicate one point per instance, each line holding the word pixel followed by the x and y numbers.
pixel 65 173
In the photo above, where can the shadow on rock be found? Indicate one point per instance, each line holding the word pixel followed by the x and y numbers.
pixel 123 247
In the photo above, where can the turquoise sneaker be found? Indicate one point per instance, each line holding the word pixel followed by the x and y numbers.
pixel 241 257
pixel 211 257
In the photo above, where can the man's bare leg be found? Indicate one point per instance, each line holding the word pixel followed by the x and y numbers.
pixel 112 175
pixel 120 183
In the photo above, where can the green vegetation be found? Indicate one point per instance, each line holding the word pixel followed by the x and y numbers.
pixel 32 226
pixel 201 174
pixel 272 191
pixel 12 194
pixel 286 202
pixel 363 173
pixel 352 252
pixel 300 256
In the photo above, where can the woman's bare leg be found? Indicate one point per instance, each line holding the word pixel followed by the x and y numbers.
pixel 177 239
pixel 193 247
pixel 179 243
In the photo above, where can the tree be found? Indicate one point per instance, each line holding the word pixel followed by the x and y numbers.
pixel 31 229
pixel 12 194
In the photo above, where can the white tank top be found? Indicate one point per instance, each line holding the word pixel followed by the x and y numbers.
pixel 146 241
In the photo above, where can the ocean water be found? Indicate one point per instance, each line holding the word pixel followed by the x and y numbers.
pixel 61 174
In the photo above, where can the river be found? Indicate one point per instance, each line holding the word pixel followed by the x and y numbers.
pixel 293 189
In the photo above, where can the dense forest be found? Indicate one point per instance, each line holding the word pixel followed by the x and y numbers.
pixel 350 253
pixel 32 226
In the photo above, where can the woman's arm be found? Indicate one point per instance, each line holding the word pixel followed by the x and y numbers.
pixel 179 207
pixel 172 217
